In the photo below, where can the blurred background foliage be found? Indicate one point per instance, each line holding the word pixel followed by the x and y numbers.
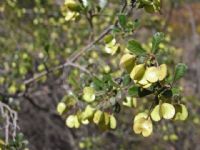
pixel 35 36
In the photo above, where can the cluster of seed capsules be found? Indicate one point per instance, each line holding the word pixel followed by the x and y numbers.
pixel 89 114
pixel 71 10
pixel 145 76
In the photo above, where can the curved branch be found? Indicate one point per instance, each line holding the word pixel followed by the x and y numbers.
pixel 77 54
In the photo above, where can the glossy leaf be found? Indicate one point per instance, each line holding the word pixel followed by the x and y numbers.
pixel 133 91
pixel 122 20
pixel 180 71
pixel 135 47
pixel 157 39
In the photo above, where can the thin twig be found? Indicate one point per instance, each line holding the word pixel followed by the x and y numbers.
pixel 90 45
pixel 66 64
pixel 77 54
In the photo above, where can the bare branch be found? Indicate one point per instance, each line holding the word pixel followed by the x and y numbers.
pixel 11 121
pixel 66 64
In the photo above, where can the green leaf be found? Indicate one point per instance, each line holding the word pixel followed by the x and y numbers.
pixel 126 80
pixel 107 79
pixel 135 47
pixel 133 91
pixel 180 71
pixel 116 30
pixel 176 91
pixel 136 24
pixel 97 83
pixel 157 39
pixel 122 20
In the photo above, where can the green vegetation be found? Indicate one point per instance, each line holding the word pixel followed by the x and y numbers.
pixel 110 65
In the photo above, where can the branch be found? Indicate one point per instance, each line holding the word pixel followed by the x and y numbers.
pixel 124 6
pixel 99 38
pixel 11 119
pixel 80 68
pixel 51 70
pixel 77 54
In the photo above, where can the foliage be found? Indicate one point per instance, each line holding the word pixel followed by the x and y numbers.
pixel 90 49
pixel 146 74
